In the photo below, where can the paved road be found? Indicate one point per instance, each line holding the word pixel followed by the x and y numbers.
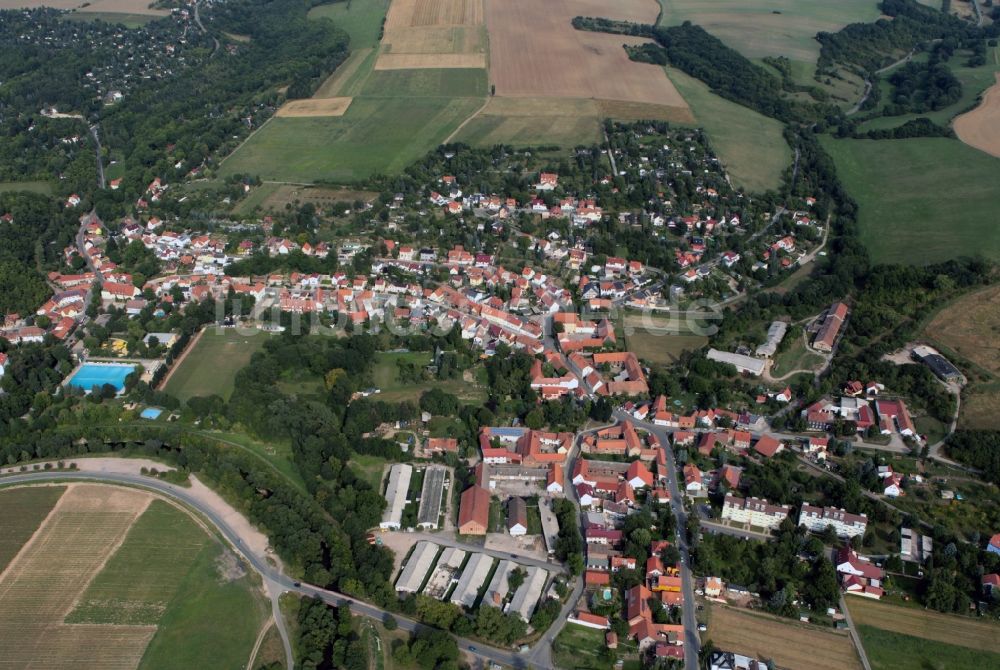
pixel 100 160
pixel 445 541
pixel 692 643
pixel 854 634
pixel 272 576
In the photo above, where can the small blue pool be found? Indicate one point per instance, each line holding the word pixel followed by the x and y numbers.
pixel 98 374
pixel 151 413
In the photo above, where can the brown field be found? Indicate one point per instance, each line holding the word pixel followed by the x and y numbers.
pixel 44 581
pixel 397 61
pixel 970 326
pixel 433 34
pixel 962 631
pixel 406 14
pixel 980 128
pixel 535 51
pixel 790 644
pixel 979 410
pixel 101 6
pixel 314 107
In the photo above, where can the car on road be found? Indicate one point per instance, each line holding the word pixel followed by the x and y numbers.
pixel 702 627
pixel 297 584
pixel 472 648
pixel 513 555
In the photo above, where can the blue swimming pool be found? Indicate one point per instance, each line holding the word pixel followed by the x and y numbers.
pixel 98 374
pixel 151 413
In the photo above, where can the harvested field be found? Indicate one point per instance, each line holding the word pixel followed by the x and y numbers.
pixel 45 579
pixel 404 14
pixel 970 326
pixel 433 34
pixel 404 61
pixel 23 510
pixel 950 629
pixel 980 128
pixel 792 645
pixel 314 107
pixel 535 51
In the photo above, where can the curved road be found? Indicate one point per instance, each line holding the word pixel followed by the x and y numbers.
pixel 276 581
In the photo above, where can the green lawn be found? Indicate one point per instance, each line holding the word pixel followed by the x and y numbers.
pixel 750 145
pixel 894 651
pixel 581 648
pixel 368 468
pixel 278 454
pixel 169 573
pixel 211 367
pixel 42 187
pixel 922 200
pixel 24 509
pixel 376 135
pixel 211 616
pixel 362 20
pixel 385 376
pixel 795 357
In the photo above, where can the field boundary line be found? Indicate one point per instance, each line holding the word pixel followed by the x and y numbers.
pixel 119 541
pixel 476 113
pixel 247 139
pixel 34 535
pixel 180 359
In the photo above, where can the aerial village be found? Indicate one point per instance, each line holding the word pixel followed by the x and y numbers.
pixel 603 521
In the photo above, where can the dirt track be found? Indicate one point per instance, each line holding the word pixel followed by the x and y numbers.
pixel 980 128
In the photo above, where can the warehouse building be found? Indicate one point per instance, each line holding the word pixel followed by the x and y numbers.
pixel 775 334
pixel 429 513
pixel 524 599
pixel 411 577
pixel 395 495
pixel 754 366
pixel 475 573
pixel 499 586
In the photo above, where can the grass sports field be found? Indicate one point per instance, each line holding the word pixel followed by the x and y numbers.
pixel 773 28
pixel 788 643
pixel 115 578
pixel 750 145
pixel 210 367
pixel 921 200
pixel 930 627
pixel 386 378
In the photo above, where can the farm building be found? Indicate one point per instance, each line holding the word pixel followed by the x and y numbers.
pixel 475 573
pixel 395 495
pixel 474 511
pixel 775 333
pixel 430 497
pixel 448 564
pixel 938 364
pixel 517 517
pixel 498 588
pixel 828 331
pixel 550 525
pixel 411 577
pixel 754 366
pixel 524 599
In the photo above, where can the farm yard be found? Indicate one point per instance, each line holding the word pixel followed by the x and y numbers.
pixel 115 578
pixel 212 362
pixel 963 633
pixel 920 200
pixel 789 644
